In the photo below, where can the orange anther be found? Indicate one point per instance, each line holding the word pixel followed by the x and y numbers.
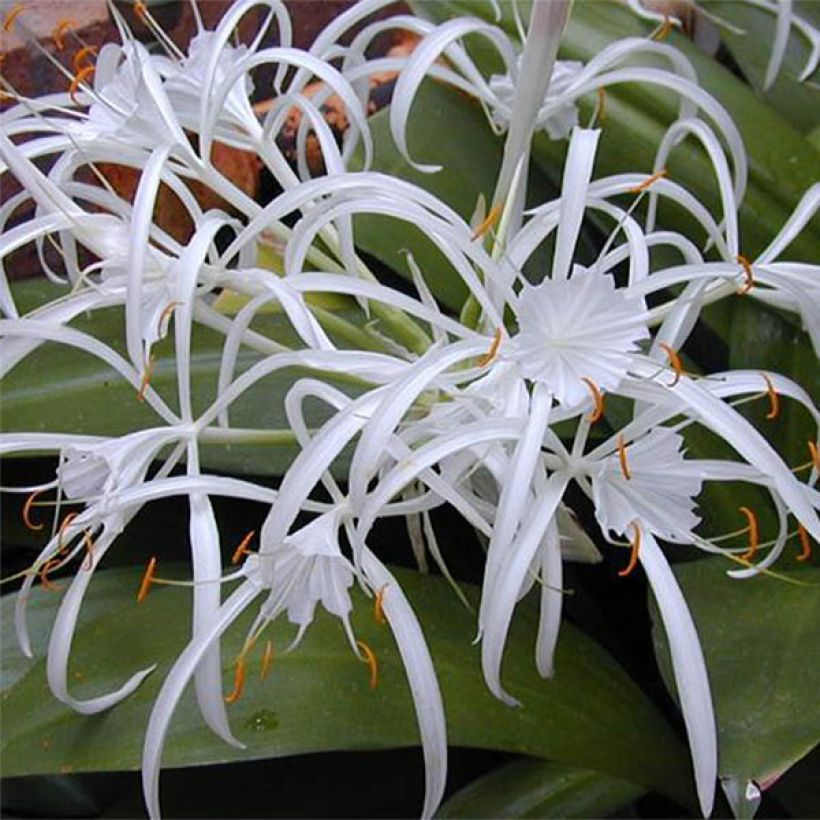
pixel 370 660
pixel 488 222
pixel 674 362
pixel 238 680
pixel 754 533
pixel 147 580
pixel 493 351
pixel 80 77
pixel 267 660
pixel 598 397
pixel 140 10
pixel 622 458
pixel 378 606
pixel 62 27
pixel 601 105
pixel 27 512
pixel 774 398
pixel 633 555
pixel 815 455
pixel 47 567
pixel 82 54
pixel 63 527
pixel 648 182
pixel 14 13
pixel 748 273
pixel 146 378
pixel 88 561
pixel 242 549
pixel 662 31
pixel 805 543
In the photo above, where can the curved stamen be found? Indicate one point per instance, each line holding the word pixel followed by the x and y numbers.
pixel 674 361
pixel 622 458
pixel 805 544
pixel 166 314
pixel 61 28
pixel 238 680
pixel 378 606
pixel 80 77
pixel 242 549
pixel 48 567
pixel 754 533
pixel 370 660
pixel 598 397
pixel 147 580
pixel 488 223
pixel 649 182
pixel 490 355
pixel 636 549
pixel 27 512
pixel 15 11
pixel 88 542
pixel 82 54
pixel 748 273
pixel 815 455
pixel 61 532
pixel 774 398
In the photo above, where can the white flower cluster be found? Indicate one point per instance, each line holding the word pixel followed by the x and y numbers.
pixel 447 410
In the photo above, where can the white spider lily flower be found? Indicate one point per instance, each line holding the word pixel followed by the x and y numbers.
pixel 575 329
pixel 657 489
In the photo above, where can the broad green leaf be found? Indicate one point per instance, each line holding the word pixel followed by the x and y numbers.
pixel 782 162
pixel 541 788
pixel 318 698
pixel 761 643
pixel 798 102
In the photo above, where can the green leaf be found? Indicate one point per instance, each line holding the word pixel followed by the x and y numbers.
pixel 761 643
pixel 540 788
pixel 318 698
pixel 797 102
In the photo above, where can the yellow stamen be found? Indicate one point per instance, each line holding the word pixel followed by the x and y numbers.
pixel 601 112
pixel 47 567
pixel 88 561
pixel 146 378
pixel 147 580
pixel 267 660
pixel 774 398
pixel 490 355
pixel 754 533
pixel 488 223
pixel 648 182
pixel 622 458
pixel 62 27
pixel 27 512
pixel 663 30
pixel 598 397
pixel 674 362
pixel 80 77
pixel 636 549
pixel 13 14
pixel 748 273
pixel 805 543
pixel 815 455
pixel 238 680
pixel 242 549
pixel 85 51
pixel 378 606
pixel 370 660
